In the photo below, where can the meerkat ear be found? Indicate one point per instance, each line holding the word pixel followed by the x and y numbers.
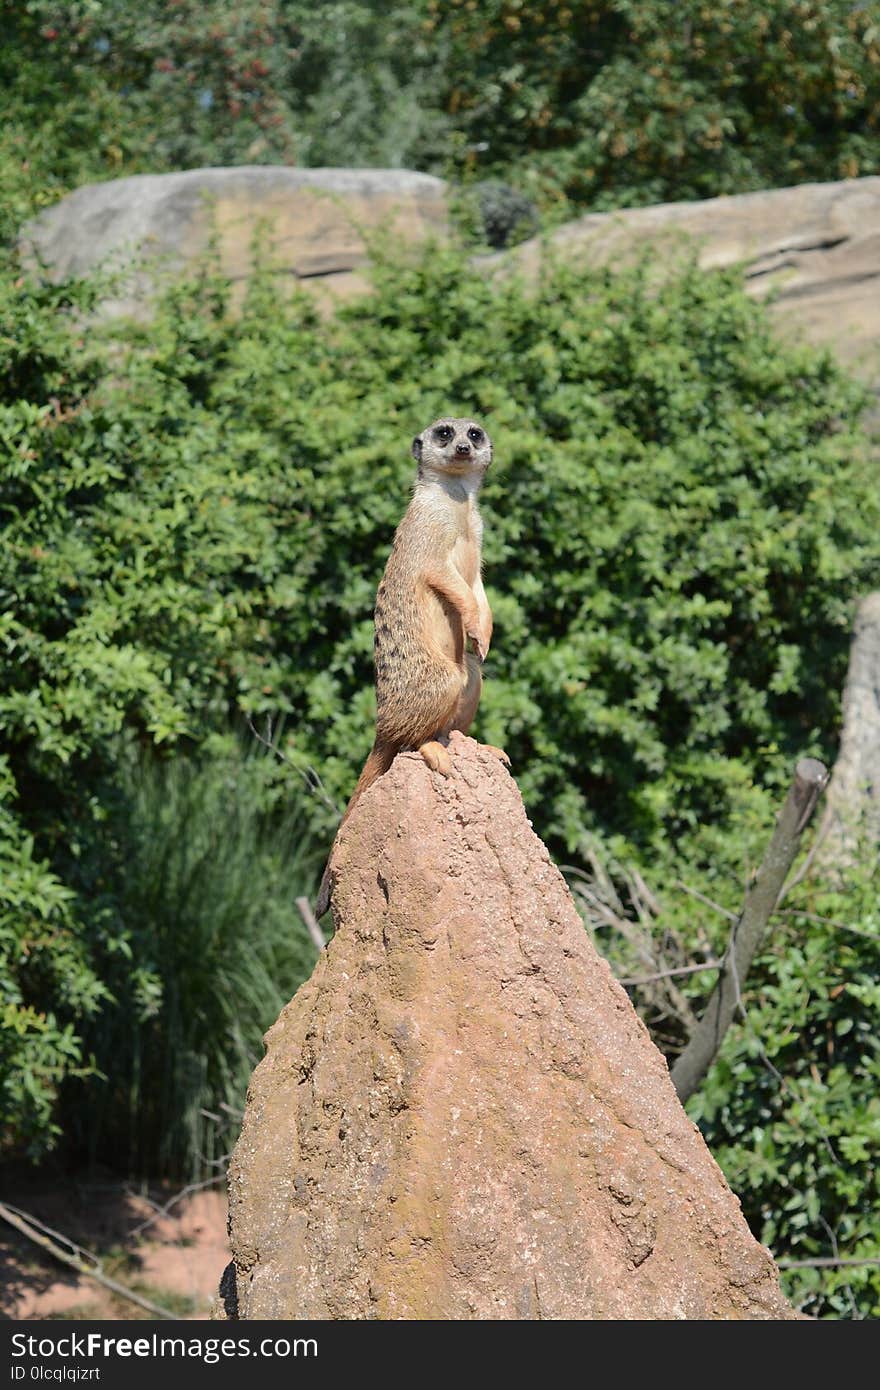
pixel 417 448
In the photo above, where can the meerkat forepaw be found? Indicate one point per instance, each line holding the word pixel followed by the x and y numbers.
pixel 437 758
pixel 481 648
pixel 498 752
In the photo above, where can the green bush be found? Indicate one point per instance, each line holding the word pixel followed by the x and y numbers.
pixel 192 527
pixel 680 514
pixel 791 1108
pixel 43 958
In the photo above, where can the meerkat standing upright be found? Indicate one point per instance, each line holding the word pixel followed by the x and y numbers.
pixel 433 621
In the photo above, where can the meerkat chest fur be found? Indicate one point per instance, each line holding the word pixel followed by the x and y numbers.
pixel 450 521
pixel 441 532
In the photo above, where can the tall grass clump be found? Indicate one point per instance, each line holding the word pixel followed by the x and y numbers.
pixel 200 875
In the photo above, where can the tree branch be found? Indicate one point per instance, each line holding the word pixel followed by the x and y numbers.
pixel 824 1263
pixel 311 921
pixel 747 934
pixel 75 1257
pixel 853 802
pixel 668 974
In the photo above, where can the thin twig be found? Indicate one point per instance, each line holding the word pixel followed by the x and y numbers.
pixel 680 970
pixel 311 921
pixel 309 775
pixel 747 932
pixel 822 1263
pixel 638 936
pixel 159 1212
pixel 832 1236
pixel 47 1239
pixel 603 879
pixel 653 905
pixel 828 921
pixel 821 835
pixel 641 910
pixel 685 888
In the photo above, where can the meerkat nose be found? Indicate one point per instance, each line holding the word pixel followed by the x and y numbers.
pixel 462 448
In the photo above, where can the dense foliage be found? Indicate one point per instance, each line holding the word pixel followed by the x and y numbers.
pixel 187 890
pixel 592 102
pixel 791 1109
pixel 615 102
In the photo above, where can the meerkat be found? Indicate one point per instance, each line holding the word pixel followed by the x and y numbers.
pixel 433 623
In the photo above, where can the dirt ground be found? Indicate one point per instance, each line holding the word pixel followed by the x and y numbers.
pixel 172 1258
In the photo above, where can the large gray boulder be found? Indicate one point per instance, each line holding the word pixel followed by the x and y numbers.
pixel 315 221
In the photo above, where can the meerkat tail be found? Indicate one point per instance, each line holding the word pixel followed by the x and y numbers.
pixel 378 762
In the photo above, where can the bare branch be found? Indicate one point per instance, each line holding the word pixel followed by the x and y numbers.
pixel 679 970
pixel 853 805
pixel 647 895
pixel 701 897
pixel 160 1211
pixel 309 775
pixel 74 1256
pixel 594 893
pixel 810 856
pixel 311 921
pixel 823 1263
pixel 747 933
pixel 827 921
pixel 603 879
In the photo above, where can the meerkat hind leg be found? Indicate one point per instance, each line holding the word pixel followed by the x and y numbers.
pixel 437 757
pixel 467 705
pixel 469 698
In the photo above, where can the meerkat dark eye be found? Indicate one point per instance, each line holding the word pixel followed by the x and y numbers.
pixel 475 436
pixel 443 434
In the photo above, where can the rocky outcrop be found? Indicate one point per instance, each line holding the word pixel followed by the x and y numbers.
pixel 816 247
pixel 314 221
pixel 460 1115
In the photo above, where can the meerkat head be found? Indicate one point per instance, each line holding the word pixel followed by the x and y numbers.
pixel 453 448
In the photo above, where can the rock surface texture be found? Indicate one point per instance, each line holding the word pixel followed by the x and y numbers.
pixel 314 220
pixel 816 247
pixel 460 1115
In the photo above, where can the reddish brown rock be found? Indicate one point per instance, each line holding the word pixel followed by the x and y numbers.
pixel 460 1115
